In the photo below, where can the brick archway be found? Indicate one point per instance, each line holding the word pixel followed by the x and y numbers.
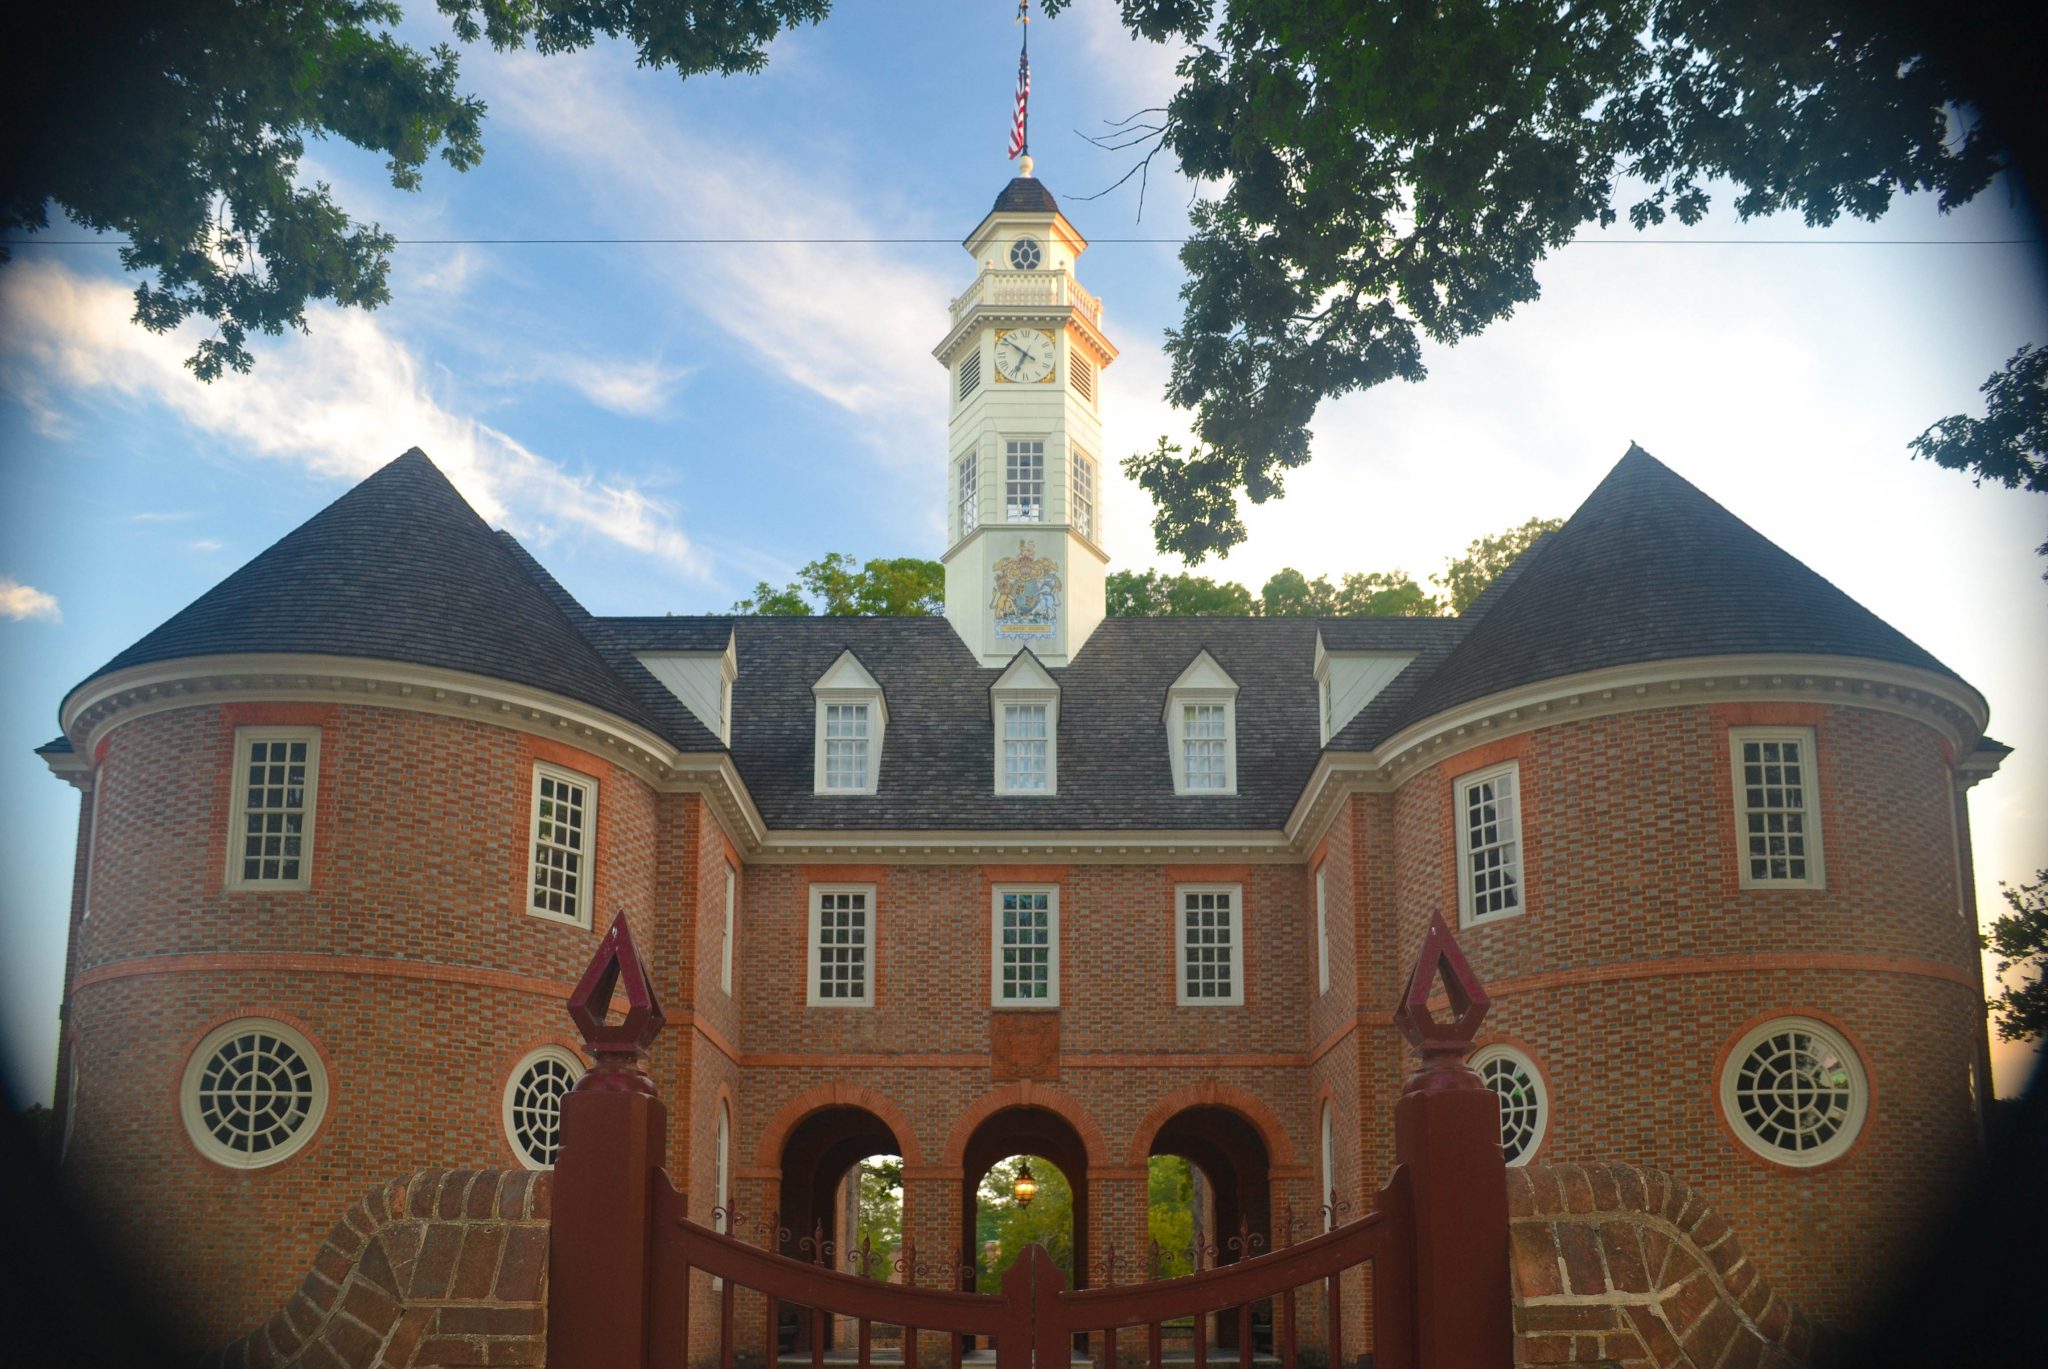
pixel 1024 1095
pixel 775 1136
pixel 1212 1094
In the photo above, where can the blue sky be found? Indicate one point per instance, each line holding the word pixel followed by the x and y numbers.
pixel 666 425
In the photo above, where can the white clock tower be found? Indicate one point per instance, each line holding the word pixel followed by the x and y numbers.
pixel 1024 357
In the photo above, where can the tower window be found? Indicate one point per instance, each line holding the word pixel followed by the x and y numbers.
pixel 533 1104
pixel 253 1093
pixel 970 374
pixel 272 845
pixel 969 471
pixel 1524 1108
pixel 1777 818
pixel 564 817
pixel 1026 255
pixel 1490 845
pixel 1084 495
pixel 1024 481
pixel 1793 1091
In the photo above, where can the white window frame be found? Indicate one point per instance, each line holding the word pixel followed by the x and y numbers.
pixel 1052 963
pixel 192 1110
pixel 1013 510
pixel 555 1053
pixel 967 491
pixel 815 960
pixel 1488 1055
pixel 238 817
pixel 1204 684
pixel 1322 929
pixel 1460 789
pixel 1235 998
pixel 732 881
pixel 848 683
pixel 1081 497
pixel 1026 684
pixel 1816 870
pixel 586 872
pixel 1857 1086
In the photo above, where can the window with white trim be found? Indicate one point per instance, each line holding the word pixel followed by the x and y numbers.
pixel 852 717
pixel 732 894
pixel 1025 709
pixel 968 484
pixel 1027 747
pixel 532 1109
pixel 1026 940
pixel 1201 729
pixel 1322 931
pixel 276 771
pixel 1524 1107
pixel 253 1093
pixel 564 828
pixel 1209 945
pixel 1777 810
pixel 842 946
pixel 1489 820
pixel 1794 1092
pixel 1024 481
pixel 1083 512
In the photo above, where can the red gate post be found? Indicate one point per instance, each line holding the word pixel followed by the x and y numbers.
pixel 1447 1134
pixel 614 1134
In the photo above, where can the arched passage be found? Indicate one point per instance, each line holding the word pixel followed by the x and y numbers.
pixel 818 1153
pixel 1025 1129
pixel 1236 1173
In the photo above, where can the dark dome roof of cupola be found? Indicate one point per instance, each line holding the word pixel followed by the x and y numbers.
pixel 1026 195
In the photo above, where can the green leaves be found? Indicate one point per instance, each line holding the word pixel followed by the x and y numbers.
pixel 2009 445
pixel 834 585
pixel 2020 941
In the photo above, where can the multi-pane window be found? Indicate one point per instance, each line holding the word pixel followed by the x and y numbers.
pixel 1205 735
pixel 272 841
pixel 1024 481
pixel 1027 967
pixel 1322 931
pixel 1518 1088
pixel 1026 741
pixel 968 470
pixel 533 1104
pixel 1489 845
pixel 1794 1092
pixel 1211 945
pixel 846 746
pixel 253 1093
pixel 1777 820
pixel 1084 495
pixel 842 945
pixel 564 821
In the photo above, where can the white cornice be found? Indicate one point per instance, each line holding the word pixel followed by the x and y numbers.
pixel 973 847
pixel 1953 709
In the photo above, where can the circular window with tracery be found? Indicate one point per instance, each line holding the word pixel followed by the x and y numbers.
pixel 253 1093
pixel 1524 1109
pixel 533 1104
pixel 1794 1092
pixel 1025 254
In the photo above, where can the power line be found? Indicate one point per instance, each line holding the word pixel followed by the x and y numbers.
pixel 877 242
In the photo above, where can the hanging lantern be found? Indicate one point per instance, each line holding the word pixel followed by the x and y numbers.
pixel 1026 1187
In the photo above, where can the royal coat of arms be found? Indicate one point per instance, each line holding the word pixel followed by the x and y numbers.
pixel 1027 597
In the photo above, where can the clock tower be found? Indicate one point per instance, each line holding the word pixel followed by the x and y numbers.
pixel 1024 358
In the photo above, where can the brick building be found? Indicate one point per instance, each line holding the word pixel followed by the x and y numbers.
pixel 1021 879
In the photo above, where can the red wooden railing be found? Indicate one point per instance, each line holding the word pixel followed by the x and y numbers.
pixel 623 1248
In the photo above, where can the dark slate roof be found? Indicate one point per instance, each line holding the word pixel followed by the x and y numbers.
pixel 60 746
pixel 400 569
pixel 1651 569
pixel 1025 195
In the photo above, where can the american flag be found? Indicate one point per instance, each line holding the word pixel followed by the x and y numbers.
pixel 1018 124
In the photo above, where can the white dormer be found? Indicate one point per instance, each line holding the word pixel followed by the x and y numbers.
pixel 852 716
pixel 1346 681
pixel 1024 704
pixel 702 680
pixel 1201 728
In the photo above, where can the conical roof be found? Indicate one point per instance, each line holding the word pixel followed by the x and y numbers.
pixel 400 568
pixel 1651 569
pixel 1025 195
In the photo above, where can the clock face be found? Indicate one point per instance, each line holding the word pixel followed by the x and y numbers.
pixel 1024 355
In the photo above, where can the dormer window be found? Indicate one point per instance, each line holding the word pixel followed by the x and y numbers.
pixel 1201 729
pixel 1025 704
pixel 1346 681
pixel 852 717
pixel 1024 481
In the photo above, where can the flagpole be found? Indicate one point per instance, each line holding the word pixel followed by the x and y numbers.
pixel 1020 123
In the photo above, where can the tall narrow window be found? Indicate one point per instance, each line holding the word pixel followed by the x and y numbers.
pixel 272 842
pixel 1206 735
pixel 721 1169
pixel 969 479
pixel 842 946
pixel 1322 931
pixel 1201 728
pixel 731 924
pixel 846 746
pixel 1489 845
pixel 1210 945
pixel 1024 481
pixel 1024 748
pixel 1027 958
pixel 1084 495
pixel 563 824
pixel 1777 815
pixel 1329 1170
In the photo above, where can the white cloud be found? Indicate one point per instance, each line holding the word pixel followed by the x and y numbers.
pixel 23 602
pixel 637 389
pixel 339 403
pixel 161 516
pixel 206 544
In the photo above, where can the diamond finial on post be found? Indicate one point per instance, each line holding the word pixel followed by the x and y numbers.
pixel 1444 1044
pixel 617 1046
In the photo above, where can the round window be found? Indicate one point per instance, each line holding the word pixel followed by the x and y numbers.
pixel 1025 254
pixel 1794 1092
pixel 533 1104
pixel 253 1094
pixel 1524 1109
